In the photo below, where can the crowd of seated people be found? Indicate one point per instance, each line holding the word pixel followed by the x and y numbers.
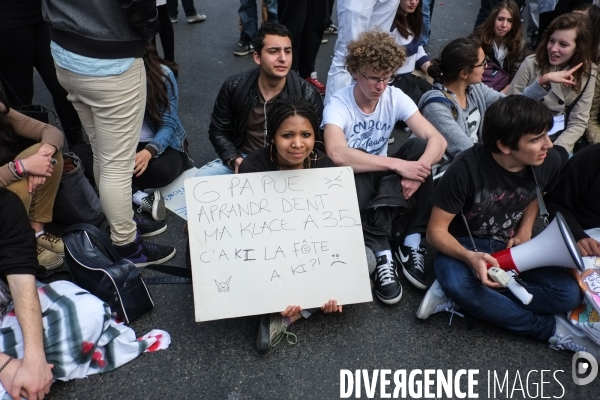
pixel 521 136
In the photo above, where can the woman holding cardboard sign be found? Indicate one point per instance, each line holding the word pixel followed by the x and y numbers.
pixel 291 129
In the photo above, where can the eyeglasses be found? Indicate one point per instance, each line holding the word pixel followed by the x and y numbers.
pixel 483 64
pixel 374 80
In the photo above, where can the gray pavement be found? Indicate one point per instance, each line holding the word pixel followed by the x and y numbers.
pixel 218 360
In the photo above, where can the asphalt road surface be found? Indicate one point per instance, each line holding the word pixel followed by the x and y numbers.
pixel 218 360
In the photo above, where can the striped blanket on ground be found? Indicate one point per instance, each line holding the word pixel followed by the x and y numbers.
pixel 80 336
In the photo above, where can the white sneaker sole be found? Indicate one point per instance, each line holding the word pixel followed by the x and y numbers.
pixel 390 301
pixel 159 212
pixel 158 232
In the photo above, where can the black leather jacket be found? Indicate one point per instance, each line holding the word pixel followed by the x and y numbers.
pixel 227 126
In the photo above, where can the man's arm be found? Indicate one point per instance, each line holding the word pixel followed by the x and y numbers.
pixel 439 237
pixel 34 375
pixel 436 144
pixel 221 129
pixel 523 234
pixel 342 155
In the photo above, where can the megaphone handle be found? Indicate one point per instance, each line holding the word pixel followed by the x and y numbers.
pixel 519 291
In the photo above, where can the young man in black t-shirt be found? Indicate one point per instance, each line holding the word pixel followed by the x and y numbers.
pixel 492 187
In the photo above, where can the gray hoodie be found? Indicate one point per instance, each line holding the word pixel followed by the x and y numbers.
pixel 455 130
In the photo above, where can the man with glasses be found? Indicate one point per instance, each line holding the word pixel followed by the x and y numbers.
pixel 393 192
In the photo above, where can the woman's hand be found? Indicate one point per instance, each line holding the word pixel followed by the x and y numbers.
pixel 47 150
pixel 479 262
pixel 564 77
pixel 331 306
pixel 38 164
pixel 589 247
pixel 290 311
pixel 34 182
pixel 142 159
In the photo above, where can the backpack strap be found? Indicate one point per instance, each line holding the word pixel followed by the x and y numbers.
pixel 446 100
pixel 243 88
pixel 292 84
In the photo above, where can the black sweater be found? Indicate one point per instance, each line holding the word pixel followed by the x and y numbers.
pixel 18 246
pixel 577 192
pixel 15 14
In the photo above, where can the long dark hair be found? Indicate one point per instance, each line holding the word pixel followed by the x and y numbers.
pixel 288 107
pixel 513 39
pixel 157 99
pixel 410 23
pixel 583 51
pixel 458 55
pixel 593 13
pixel 11 144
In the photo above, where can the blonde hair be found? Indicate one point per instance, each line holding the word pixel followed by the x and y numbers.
pixel 376 50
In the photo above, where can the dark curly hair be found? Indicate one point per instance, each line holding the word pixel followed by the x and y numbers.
pixel 287 107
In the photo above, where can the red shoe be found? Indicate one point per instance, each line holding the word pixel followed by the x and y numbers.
pixel 315 82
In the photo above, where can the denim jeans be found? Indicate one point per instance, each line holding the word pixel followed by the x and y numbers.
pixel 553 290
pixel 249 16
pixel 216 167
pixel 427 14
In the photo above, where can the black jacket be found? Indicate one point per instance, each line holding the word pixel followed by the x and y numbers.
pixel 227 125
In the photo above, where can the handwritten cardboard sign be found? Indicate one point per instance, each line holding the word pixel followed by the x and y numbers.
pixel 260 242
pixel 174 193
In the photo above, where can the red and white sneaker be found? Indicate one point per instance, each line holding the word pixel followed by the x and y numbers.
pixel 315 82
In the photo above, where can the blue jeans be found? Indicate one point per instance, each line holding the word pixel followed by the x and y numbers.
pixel 249 16
pixel 427 13
pixel 553 290
pixel 216 167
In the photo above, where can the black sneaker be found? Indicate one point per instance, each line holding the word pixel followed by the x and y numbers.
pixel 385 281
pixel 154 204
pixel 413 264
pixel 244 50
pixel 142 253
pixel 146 226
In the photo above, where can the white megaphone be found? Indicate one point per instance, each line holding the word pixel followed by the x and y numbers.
pixel 555 246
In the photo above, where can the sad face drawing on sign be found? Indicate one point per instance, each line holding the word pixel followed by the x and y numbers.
pixel 291 129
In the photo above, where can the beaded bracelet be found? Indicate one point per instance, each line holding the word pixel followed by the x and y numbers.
pixel 13 170
pixel 6 363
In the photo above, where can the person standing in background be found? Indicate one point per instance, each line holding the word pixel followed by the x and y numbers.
pixel 355 17
pixel 29 47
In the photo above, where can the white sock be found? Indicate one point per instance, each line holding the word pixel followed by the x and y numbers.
pixel 387 253
pixel 138 196
pixel 40 233
pixel 413 240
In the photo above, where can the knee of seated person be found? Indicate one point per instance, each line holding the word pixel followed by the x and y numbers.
pixel 568 294
pixel 451 277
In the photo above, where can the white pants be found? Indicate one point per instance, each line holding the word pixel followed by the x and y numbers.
pixel 111 109
pixel 355 17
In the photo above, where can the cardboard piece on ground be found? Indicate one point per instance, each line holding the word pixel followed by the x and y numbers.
pixel 174 193
pixel 260 242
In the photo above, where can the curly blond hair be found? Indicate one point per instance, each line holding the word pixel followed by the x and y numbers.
pixel 376 50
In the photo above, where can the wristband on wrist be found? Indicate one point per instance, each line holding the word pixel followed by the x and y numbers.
pixel 13 170
pixel 6 363
pixel 18 167
pixel 24 171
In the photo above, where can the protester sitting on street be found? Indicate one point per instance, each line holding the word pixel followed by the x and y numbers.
pixel 291 134
pixel 33 172
pixel 576 195
pixel 457 106
pixel 565 46
pixel 241 111
pixel 407 32
pixel 98 58
pixel 502 39
pixel 160 156
pixel 486 202
pixel 392 191
pixel 49 332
